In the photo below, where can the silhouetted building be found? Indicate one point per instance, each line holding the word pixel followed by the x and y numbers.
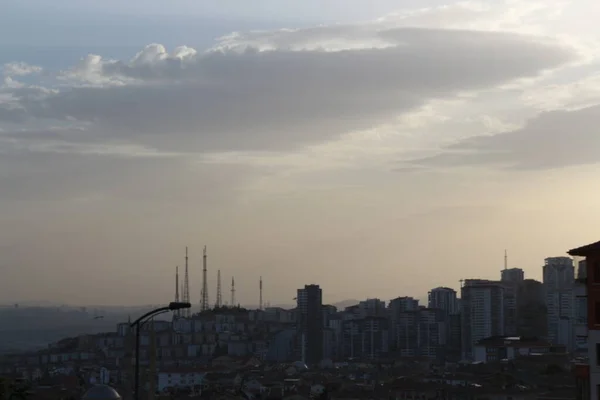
pixel 454 338
pixel 511 278
pixel 580 315
pixel 559 276
pixel 513 275
pixel 590 371
pixel 531 309
pixel 365 338
pixel 422 333
pixel 444 298
pixel 395 308
pixel 310 323
pixel 372 308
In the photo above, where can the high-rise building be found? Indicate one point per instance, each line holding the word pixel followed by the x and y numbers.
pixel 580 313
pixel 588 375
pixel 365 338
pixel 310 323
pixel 396 307
pixel 514 275
pixel 372 308
pixel 422 333
pixel 453 345
pixel 511 278
pixel 482 312
pixel 559 277
pixel 444 298
pixel 531 309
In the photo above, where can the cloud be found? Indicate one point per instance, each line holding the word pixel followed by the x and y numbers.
pixel 20 69
pixel 553 139
pixel 249 99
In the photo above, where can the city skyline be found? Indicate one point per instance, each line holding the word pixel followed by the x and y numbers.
pixel 423 299
pixel 379 148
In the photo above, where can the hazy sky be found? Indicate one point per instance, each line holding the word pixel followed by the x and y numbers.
pixel 377 148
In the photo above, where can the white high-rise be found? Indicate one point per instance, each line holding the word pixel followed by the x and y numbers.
pixel 559 276
pixel 482 312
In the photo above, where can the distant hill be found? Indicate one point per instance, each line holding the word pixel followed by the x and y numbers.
pixel 345 303
pixel 29 328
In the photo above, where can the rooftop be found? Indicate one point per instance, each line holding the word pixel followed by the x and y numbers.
pixel 515 341
pixel 583 251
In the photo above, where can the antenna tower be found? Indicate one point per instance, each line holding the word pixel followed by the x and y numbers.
pixel 178 312
pixel 505 260
pixel 232 292
pixel 260 303
pixel 219 301
pixel 204 301
pixel 186 285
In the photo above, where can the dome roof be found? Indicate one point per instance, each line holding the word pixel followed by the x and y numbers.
pixel 101 392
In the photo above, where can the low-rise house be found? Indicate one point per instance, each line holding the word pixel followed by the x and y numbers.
pixel 508 348
pixel 180 378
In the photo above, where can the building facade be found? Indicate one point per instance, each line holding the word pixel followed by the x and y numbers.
pixel 532 320
pixel 511 278
pixel 482 313
pixel 580 314
pixel 445 299
pixel 396 307
pixel 365 338
pixel 559 277
pixel 592 282
pixel 310 323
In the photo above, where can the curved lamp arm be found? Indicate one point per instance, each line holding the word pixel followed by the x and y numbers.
pixel 171 307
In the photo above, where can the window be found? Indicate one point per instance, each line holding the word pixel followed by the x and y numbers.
pixel 597 313
pixel 596 268
pixel 597 353
pixel 596 272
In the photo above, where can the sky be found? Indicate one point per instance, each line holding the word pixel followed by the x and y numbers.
pixel 379 149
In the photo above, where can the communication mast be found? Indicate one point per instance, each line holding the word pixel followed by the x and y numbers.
pixel 186 285
pixel 204 302
pixel 218 303
pixel 232 292
pixel 260 302
pixel 178 312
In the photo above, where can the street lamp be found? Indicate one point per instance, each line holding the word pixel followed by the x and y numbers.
pixel 101 392
pixel 173 306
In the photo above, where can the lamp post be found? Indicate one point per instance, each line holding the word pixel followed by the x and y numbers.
pixel 173 306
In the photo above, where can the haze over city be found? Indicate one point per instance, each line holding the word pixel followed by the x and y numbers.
pixel 378 149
